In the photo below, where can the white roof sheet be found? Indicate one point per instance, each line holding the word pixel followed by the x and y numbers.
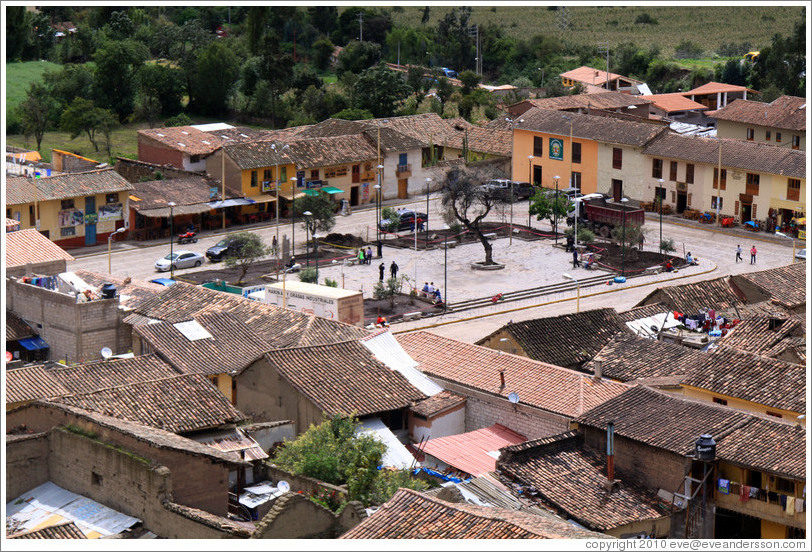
pixel 396 455
pixel 642 326
pixel 212 127
pixel 386 349
pixel 53 503
pixel 260 494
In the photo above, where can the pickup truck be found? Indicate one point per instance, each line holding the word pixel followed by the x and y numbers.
pixel 502 189
pixel 600 215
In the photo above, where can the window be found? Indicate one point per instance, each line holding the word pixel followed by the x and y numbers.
pixel 403 159
pixel 768 135
pixel 538 146
pixel 253 179
pixel 716 178
pixel 267 175
pixel 716 200
pixel 752 184
pixel 314 174
pixel 617 158
pixel 777 137
pixel 750 133
pixel 31 216
pixel 672 173
pixel 576 180
pixel 689 173
pixel 194 158
pixel 659 194
pixel 69 231
pixel 793 189
pixel 216 381
pixel 576 152
pixel 67 204
pixel 283 174
pixel 785 486
pixel 796 142
pixel 717 400
pixel 112 198
pixel 657 168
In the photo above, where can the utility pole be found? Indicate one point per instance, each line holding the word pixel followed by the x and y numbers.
pixel 601 47
pixel 361 26
pixel 563 18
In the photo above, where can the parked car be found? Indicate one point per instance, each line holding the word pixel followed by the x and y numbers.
pixel 226 247
pixel 801 254
pixel 407 217
pixel 450 73
pixel 179 259
pixel 502 188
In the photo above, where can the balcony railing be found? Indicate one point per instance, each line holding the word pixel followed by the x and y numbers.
pixel 404 170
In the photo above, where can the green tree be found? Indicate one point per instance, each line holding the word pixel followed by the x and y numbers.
pixel 470 82
pixel 181 119
pixel 391 215
pixel 117 65
pixel 783 63
pixel 276 68
pixel 82 116
pixel 322 207
pixel 358 56
pixel 444 91
pixel 215 74
pixel 308 275
pixel 353 114
pixel 323 18
pixel 17 32
pixel 545 205
pixel 250 249
pixel 387 290
pixel 379 90
pixel 163 85
pixel 36 111
pixel 70 82
pixel 120 26
pixel 414 79
pixel 322 53
pixel 454 37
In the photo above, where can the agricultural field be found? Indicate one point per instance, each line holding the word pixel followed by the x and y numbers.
pixel 20 75
pixel 707 26
pixel 124 143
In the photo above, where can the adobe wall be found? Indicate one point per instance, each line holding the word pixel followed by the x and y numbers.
pixel 50 268
pixel 483 410
pixel 264 395
pixel 67 162
pixel 190 469
pixel 133 170
pixel 308 485
pixel 151 151
pixel 294 517
pixel 653 467
pixel 76 331
pixel 26 463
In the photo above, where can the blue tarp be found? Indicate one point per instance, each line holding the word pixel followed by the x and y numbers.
pixel 34 343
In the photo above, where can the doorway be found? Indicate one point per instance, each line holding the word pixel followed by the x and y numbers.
pixel 403 188
pixel 617 189
pixel 90 229
pixel 536 175
pixel 682 201
pixel 747 212
pixel 354 196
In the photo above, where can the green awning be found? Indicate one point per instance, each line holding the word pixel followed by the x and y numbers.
pixel 331 190
pixel 312 192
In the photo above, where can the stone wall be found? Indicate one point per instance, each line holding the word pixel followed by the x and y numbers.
pixel 26 463
pixel 133 170
pixel 75 331
pixel 49 268
pixel 69 162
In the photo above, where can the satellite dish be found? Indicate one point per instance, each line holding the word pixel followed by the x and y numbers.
pixel 283 486
pixel 513 397
pixel 106 352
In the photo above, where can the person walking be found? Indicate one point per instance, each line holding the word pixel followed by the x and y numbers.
pixel 381 270
pixel 739 253
pixel 753 254
pixel 361 256
pixel 369 255
pixel 393 269
pixel 575 262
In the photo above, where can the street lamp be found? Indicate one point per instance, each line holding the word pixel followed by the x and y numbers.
pixel 572 185
pixel 428 183
pixel 307 215
pixel 343 263
pixel 660 198
pixel 445 267
pixel 278 184
pixel 284 293
pixel 378 193
pixel 793 243
pixel 223 178
pixel 555 217
pixel 109 240
pixel 316 247
pixel 293 183
pixel 171 239
pixel 577 291
pixel 530 181
pixel 511 212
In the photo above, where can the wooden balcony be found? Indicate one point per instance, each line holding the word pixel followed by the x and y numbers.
pixel 771 511
pixel 404 171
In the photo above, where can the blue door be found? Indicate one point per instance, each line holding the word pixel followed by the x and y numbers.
pixel 90 212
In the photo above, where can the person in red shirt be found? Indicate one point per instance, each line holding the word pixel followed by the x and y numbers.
pixel 753 254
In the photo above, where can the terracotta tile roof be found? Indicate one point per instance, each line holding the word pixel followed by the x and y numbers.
pixel 334 127
pixel 760 335
pixel 358 382
pixel 674 102
pixel 540 385
pixel 786 285
pixel 608 99
pixel 131 292
pixel 239 134
pixel 673 423
pixel 767 381
pixel 37 382
pixel 627 357
pixel 16 327
pixel 591 127
pixel 412 515
pixel 29 246
pixel 186 139
pixel 277 326
pixel 716 88
pixel 469 452
pixel 690 298
pixel 430 128
pixel 332 150
pixel 231 348
pixel 739 154
pixel 570 479
pixel 192 190
pixel 438 403
pixel 12 225
pixel 252 155
pixel 590 75
pixel 553 340
pixel 67 530
pixel 788 112
pixel 642 311
pixel 20 190
pixel 178 404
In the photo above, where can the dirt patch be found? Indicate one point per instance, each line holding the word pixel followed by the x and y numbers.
pixel 403 304
pixel 437 238
pixel 610 256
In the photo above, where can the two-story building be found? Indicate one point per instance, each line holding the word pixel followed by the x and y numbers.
pixel 72 210
pixel 781 122
pixel 596 77
pixel 757 180
pixel 715 95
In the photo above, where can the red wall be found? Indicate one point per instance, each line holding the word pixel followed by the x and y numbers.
pixel 152 153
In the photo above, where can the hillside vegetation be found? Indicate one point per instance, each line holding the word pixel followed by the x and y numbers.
pixel 19 75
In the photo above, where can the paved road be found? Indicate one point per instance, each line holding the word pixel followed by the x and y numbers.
pixel 528 264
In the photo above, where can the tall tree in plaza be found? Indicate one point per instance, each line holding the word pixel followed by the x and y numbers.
pixel 250 250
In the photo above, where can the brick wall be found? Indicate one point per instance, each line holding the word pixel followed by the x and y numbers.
pixel 483 410
pixel 133 170
pixel 50 268
pixel 76 331
pixel 151 151
pixel 67 162
pixel 26 463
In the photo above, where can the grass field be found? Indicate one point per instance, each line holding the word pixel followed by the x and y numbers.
pixel 20 75
pixel 708 26
pixel 125 143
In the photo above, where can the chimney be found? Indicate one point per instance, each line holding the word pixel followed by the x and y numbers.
pixel 501 379
pixel 598 363
pixel 610 452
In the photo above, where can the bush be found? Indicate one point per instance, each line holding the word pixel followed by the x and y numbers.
pixel 688 50
pixel 308 275
pixel 181 119
pixel 330 283
pixel 645 19
pixel 667 245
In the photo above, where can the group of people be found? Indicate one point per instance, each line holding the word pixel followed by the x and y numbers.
pixel 587 258
pixel 429 290
pixel 393 270
pixel 753 252
pixel 365 257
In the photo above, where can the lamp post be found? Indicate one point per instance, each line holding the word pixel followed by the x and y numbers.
pixel 445 268
pixel 572 185
pixel 284 294
pixel 530 181
pixel 555 218
pixel 660 198
pixel 378 194
pixel 316 247
pixel 293 182
pixel 793 243
pixel 623 200
pixel 428 183
pixel 278 184
pixel 171 239
pixel 335 262
pixel 577 291
pixel 511 212
pixel 109 246
pixel 223 178
pixel 307 215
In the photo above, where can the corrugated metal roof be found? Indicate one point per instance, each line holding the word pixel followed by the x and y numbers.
pixel 233 441
pixel 386 349
pixel 50 504
pixel 396 455
pixel 469 452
